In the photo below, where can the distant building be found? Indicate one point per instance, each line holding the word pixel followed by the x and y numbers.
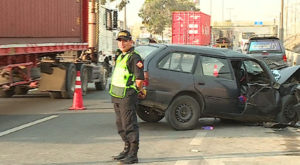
pixel 140 31
pixel 291 25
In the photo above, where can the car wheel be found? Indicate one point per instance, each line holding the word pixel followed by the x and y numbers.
pixel 102 84
pixel 183 113
pixel 84 79
pixel 70 82
pixel 148 114
pixel 55 95
pixel 287 113
pixel 21 90
pixel 7 93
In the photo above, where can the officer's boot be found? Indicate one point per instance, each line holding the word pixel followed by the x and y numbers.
pixel 132 155
pixel 124 153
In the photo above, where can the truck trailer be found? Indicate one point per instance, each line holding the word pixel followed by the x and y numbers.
pixel 191 28
pixel 44 43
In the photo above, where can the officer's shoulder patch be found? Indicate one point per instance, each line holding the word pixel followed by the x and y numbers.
pixel 139 64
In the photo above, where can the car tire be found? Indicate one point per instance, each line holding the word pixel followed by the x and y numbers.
pixel 84 79
pixel 7 93
pixel 102 84
pixel 70 82
pixel 55 95
pixel 287 115
pixel 21 90
pixel 148 114
pixel 183 113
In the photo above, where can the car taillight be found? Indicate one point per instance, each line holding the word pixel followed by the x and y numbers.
pixel 146 79
pixel 265 53
pixel 284 58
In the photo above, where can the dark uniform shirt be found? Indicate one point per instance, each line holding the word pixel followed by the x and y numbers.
pixel 136 67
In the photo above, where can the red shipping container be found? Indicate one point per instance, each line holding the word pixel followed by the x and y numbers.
pixel 41 21
pixel 191 28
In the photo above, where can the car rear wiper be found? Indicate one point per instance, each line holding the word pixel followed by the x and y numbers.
pixel 251 52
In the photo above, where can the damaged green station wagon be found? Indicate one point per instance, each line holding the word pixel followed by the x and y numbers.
pixel 185 83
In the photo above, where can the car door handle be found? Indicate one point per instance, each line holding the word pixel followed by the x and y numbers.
pixel 201 83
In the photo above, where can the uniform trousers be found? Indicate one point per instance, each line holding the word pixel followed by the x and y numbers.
pixel 126 119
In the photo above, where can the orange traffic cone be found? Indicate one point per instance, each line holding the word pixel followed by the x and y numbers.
pixel 216 70
pixel 77 99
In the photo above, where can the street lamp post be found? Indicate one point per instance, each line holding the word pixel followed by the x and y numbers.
pixel 125 15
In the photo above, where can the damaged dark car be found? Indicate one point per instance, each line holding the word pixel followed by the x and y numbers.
pixel 185 83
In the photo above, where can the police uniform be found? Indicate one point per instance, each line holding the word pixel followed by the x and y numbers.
pixel 125 108
pixel 125 105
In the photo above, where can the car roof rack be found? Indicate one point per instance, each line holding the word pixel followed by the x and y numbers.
pixel 263 36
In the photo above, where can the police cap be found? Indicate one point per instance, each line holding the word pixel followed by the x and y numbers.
pixel 124 35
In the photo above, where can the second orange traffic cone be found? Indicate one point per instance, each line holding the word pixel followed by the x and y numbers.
pixel 77 99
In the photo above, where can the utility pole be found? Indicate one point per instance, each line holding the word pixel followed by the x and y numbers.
pixel 222 10
pixel 125 15
pixel 200 5
pixel 229 11
pixel 281 35
pixel 210 7
pixel 286 20
pixel 125 21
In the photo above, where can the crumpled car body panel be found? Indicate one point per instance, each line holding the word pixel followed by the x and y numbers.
pixel 288 72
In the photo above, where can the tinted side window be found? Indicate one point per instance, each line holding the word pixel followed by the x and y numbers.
pixel 181 62
pixel 216 67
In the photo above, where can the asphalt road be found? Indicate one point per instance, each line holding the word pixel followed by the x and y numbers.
pixel 36 130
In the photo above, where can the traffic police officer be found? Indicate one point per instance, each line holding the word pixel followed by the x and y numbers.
pixel 126 87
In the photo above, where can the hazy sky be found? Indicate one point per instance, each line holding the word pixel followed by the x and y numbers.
pixel 237 10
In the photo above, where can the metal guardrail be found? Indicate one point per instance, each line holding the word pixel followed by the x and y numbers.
pixel 292 58
pixel 290 44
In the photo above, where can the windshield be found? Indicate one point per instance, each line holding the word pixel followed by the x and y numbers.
pixel 144 51
pixel 265 45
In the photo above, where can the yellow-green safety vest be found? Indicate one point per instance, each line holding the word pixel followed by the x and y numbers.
pixel 121 77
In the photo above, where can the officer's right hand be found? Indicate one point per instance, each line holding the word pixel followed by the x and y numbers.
pixel 142 94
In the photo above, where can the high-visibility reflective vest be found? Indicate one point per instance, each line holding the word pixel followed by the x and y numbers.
pixel 121 77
